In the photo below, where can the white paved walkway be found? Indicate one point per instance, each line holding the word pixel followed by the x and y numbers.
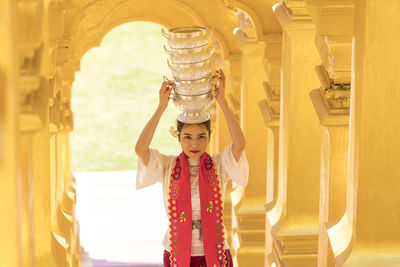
pixel 119 223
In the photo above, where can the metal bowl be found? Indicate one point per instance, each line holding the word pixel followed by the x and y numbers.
pixel 191 50
pixel 193 104
pixel 197 55
pixel 194 87
pixel 207 62
pixel 190 74
pixel 195 81
pixel 193 118
pixel 186 32
pixel 188 43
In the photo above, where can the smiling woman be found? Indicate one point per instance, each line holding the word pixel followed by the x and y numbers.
pixel 194 138
pixel 194 184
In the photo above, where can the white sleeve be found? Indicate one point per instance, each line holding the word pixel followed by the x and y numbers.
pixel 153 172
pixel 237 171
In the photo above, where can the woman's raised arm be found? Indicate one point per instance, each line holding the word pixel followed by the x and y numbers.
pixel 143 143
pixel 238 140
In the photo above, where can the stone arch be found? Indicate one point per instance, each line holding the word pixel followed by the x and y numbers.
pixel 95 20
pixel 146 13
pixel 92 23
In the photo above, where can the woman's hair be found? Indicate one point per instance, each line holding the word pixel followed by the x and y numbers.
pixel 179 126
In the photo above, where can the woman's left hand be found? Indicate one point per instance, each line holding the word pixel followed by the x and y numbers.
pixel 221 85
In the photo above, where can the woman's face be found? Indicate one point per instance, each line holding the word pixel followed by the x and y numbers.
pixel 194 139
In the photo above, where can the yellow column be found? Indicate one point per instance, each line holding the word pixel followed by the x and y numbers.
pixel 61 225
pixel 249 203
pixel 10 241
pixel 294 218
pixel 334 31
pixel 33 48
pixel 334 118
pixel 64 226
pixel 367 235
pixel 270 108
pixel 27 188
pixel 43 198
pixel 68 200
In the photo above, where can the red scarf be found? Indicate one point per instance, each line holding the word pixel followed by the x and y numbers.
pixel 180 213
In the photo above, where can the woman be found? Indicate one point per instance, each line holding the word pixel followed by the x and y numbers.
pixel 193 185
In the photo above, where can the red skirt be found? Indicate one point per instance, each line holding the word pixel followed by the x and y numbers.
pixel 198 261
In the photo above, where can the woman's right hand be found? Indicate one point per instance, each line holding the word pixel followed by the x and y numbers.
pixel 164 93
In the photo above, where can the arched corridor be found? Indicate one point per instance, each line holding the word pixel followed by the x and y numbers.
pixel 313 84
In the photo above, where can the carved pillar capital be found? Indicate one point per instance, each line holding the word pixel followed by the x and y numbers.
pixel 334 32
pixel 270 107
pixel 331 101
pixel 30 17
pixel 292 14
pixel 332 17
pixel 32 59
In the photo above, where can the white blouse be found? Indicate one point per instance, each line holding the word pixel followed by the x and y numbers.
pixel 159 170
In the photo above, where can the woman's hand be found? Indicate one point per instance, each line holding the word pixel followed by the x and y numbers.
pixel 221 86
pixel 164 93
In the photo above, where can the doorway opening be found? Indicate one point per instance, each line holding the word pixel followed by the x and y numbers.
pixel 113 96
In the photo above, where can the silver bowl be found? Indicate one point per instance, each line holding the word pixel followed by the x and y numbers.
pixel 198 55
pixel 186 32
pixel 192 71
pixel 191 50
pixel 194 87
pixel 193 74
pixel 188 82
pixel 188 43
pixel 193 118
pixel 208 62
pixel 193 104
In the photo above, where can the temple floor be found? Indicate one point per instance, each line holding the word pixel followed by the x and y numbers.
pixel 107 209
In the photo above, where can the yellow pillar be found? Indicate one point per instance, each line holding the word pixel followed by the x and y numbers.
pixel 43 198
pixel 367 235
pixel 61 226
pixel 334 158
pixel 294 218
pixel 27 194
pixel 249 203
pixel 10 209
pixel 270 108
pixel 334 31
pixel 64 226
pixel 34 88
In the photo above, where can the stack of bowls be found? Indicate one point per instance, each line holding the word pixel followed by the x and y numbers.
pixel 191 60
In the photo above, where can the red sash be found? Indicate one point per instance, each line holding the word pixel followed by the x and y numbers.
pixel 180 213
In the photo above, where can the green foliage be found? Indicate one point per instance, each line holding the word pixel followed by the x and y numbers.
pixel 115 94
